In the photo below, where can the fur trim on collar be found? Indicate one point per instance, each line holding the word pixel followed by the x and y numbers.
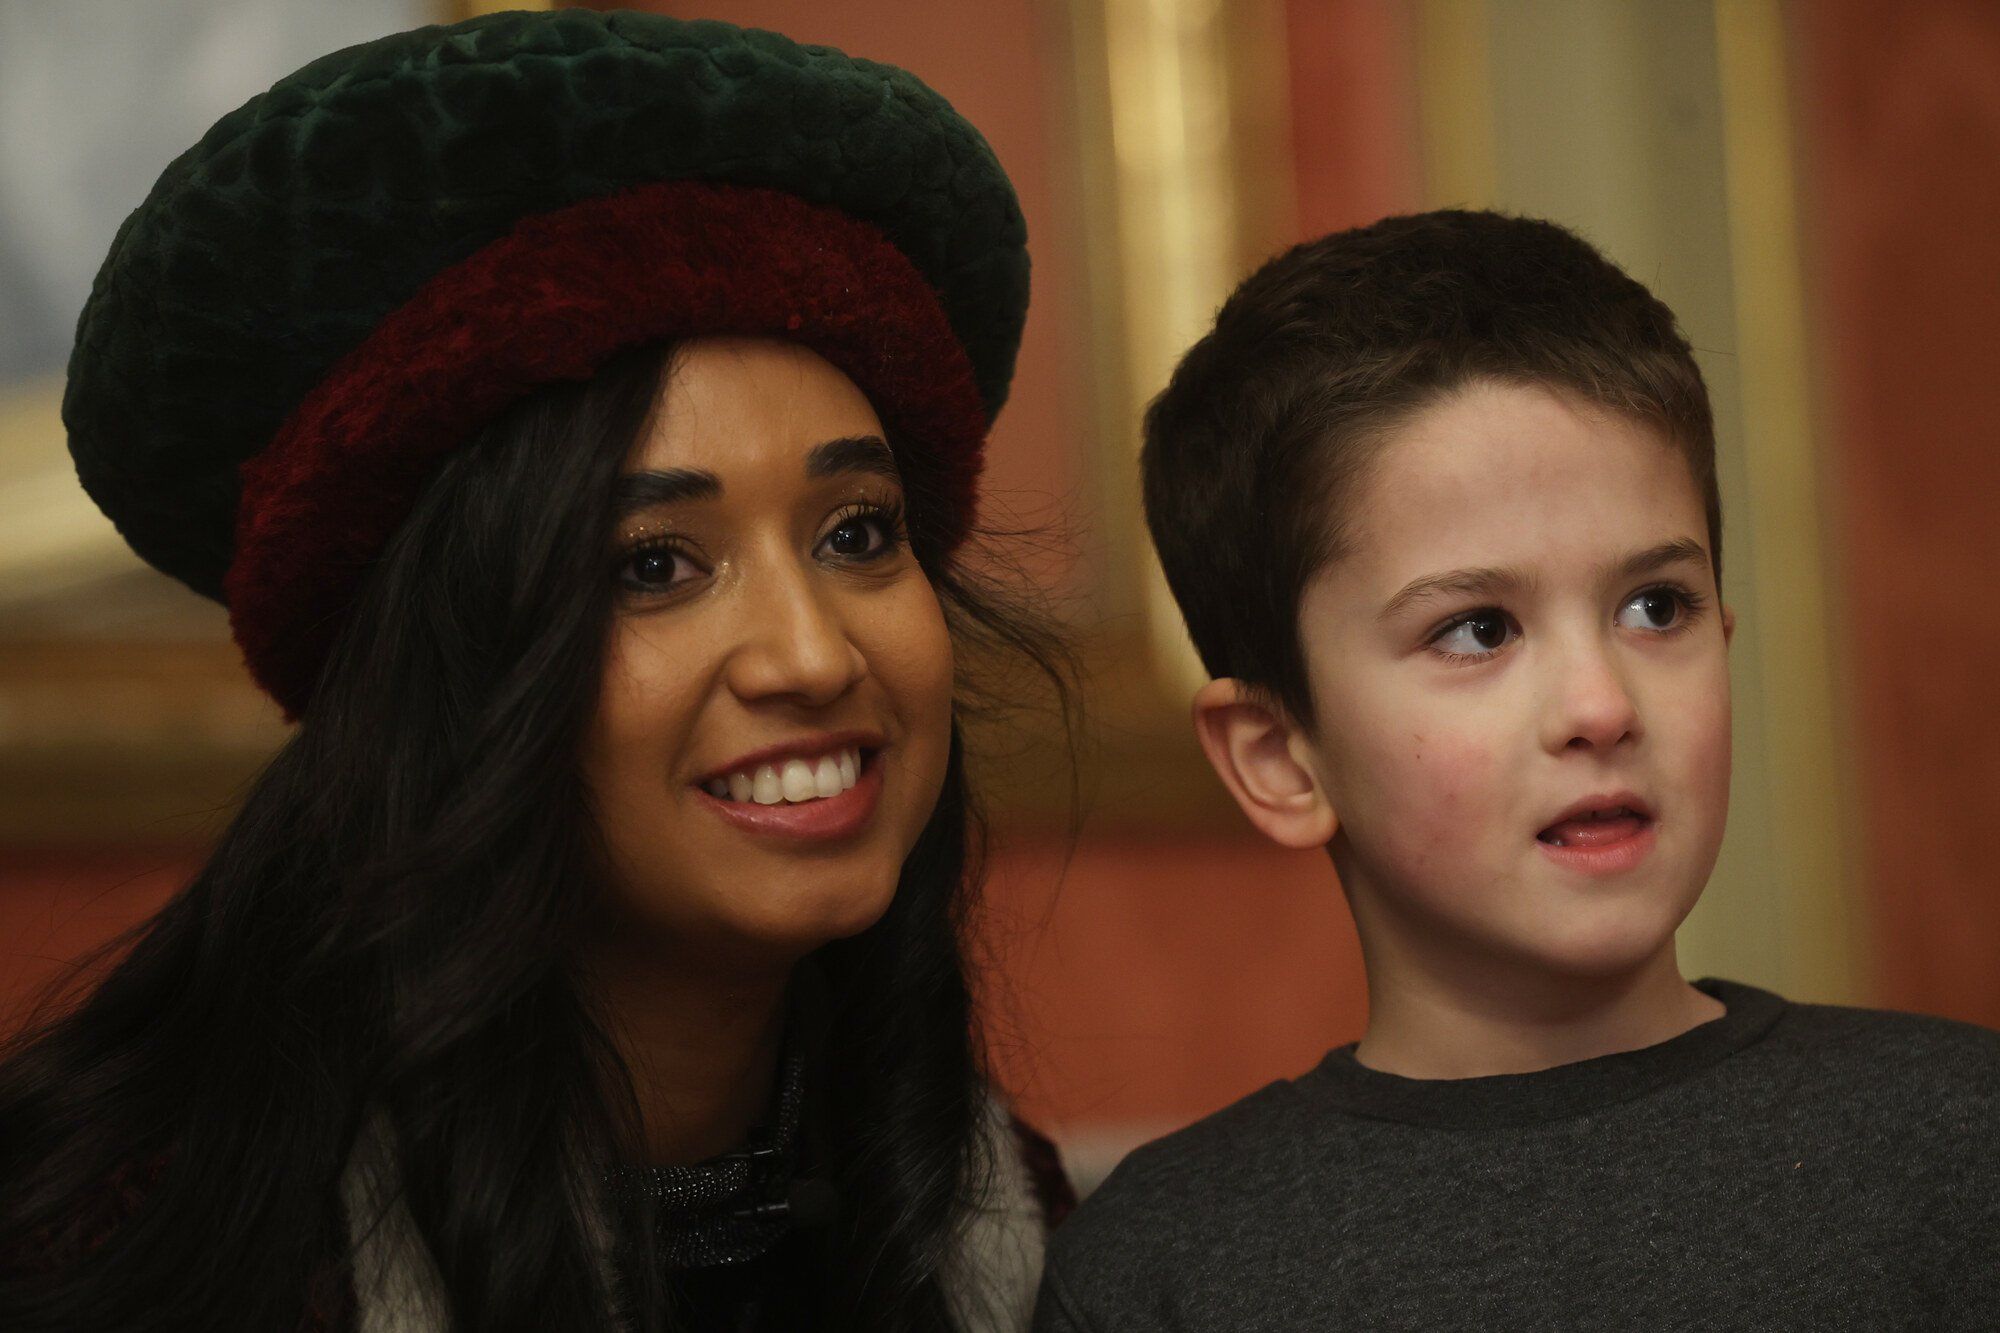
pixel 990 1279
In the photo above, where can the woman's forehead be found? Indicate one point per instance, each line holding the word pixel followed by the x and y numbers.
pixel 736 404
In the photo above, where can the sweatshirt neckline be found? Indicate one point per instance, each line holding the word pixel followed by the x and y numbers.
pixel 1512 1100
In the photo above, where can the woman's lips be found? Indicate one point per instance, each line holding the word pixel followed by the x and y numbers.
pixel 1599 846
pixel 825 819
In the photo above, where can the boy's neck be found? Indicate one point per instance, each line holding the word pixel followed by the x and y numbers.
pixel 1470 1021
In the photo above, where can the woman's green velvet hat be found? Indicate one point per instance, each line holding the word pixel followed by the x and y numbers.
pixel 351 273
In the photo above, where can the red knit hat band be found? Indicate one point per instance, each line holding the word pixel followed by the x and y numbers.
pixel 551 301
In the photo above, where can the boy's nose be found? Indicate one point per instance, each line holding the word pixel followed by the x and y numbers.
pixel 1592 707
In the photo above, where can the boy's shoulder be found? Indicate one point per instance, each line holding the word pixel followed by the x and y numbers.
pixel 1912 1099
pixel 1229 1169
pixel 1307 1202
pixel 1881 1059
pixel 1243 1165
pixel 1894 1029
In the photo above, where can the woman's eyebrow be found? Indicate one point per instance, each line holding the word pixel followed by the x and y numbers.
pixel 663 486
pixel 643 490
pixel 853 453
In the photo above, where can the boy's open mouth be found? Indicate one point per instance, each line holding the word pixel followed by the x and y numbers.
pixel 1597 823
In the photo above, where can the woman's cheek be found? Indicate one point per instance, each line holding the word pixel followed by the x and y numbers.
pixel 910 652
pixel 934 668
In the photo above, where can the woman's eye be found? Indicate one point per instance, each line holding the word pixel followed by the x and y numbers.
pixel 1654 609
pixel 1475 635
pixel 656 568
pixel 855 536
pixel 862 536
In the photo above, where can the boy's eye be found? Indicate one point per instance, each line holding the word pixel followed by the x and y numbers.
pixel 1475 634
pixel 1654 609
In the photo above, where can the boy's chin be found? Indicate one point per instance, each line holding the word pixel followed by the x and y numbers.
pixel 1603 945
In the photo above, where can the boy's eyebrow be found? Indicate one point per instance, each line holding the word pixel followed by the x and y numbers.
pixel 1460 582
pixel 1455 582
pixel 1666 553
pixel 665 486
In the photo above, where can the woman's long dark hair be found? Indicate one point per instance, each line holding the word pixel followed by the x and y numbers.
pixel 388 927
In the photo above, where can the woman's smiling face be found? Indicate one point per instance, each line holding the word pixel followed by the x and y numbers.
pixel 775 718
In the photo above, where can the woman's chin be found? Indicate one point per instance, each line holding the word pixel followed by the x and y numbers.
pixel 815 914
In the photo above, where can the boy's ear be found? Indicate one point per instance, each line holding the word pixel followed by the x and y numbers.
pixel 1261 757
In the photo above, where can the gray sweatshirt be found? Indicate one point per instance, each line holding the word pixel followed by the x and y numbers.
pixel 1782 1167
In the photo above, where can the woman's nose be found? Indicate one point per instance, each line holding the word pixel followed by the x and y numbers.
pixel 1592 706
pixel 794 644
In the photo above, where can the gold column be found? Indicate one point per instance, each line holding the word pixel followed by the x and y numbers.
pixel 1182 110
pixel 1815 889
pixel 1455 104
pixel 457 10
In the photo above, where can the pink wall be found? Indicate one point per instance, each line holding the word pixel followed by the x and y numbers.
pixel 1163 977
pixel 57 904
pixel 1354 135
pixel 1899 117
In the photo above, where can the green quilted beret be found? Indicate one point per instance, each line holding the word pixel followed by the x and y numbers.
pixel 271 256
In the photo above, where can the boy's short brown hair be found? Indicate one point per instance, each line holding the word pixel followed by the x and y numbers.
pixel 1256 447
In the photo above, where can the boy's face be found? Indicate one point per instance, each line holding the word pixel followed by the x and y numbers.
pixel 1526 626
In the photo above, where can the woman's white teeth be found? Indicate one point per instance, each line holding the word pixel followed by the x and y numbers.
pixel 798 776
pixel 768 790
pixel 795 780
